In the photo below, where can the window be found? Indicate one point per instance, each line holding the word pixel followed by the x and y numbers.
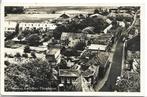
pixel 68 80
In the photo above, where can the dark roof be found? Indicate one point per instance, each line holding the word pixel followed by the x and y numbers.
pixel 64 16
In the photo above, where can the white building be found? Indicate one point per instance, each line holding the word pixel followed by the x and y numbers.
pixel 107 29
pixel 42 25
pixel 97 47
pixel 53 56
pixel 10 26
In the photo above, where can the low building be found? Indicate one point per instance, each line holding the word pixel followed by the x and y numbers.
pixel 97 47
pixel 44 26
pixel 53 56
pixel 107 29
pixel 10 26
pixel 81 84
pixel 69 76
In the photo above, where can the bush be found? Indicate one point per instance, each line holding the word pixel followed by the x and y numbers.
pixel 25 55
pixel 33 40
pixel 33 54
pixel 27 49
pixel 10 56
pixel 18 55
pixel 7 63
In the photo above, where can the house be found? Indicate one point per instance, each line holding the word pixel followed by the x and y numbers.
pixel 71 39
pixel 81 84
pixel 37 25
pixel 107 29
pixel 136 65
pixel 10 26
pixel 88 30
pixel 113 10
pixel 53 56
pixel 97 47
pixel 98 60
pixel 69 76
pixel 64 16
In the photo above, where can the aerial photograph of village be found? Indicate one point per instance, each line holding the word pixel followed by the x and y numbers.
pixel 72 48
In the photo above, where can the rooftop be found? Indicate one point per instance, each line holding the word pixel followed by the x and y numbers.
pixel 66 35
pixel 81 84
pixel 53 51
pixel 97 47
pixel 69 72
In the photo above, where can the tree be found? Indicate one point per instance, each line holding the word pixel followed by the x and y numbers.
pixel 80 45
pixel 33 40
pixel 35 75
pixel 7 63
pixel 96 11
pixel 129 82
pixel 58 31
pixel 25 55
pixel 27 49
pixel 33 54
pixel 63 64
pixel 13 10
pixel 17 55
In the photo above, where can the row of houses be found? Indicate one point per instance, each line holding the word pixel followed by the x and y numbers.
pixel 11 26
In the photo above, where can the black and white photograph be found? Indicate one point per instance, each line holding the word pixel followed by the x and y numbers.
pixel 72 49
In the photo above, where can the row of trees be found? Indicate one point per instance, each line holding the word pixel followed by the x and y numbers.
pixel 14 10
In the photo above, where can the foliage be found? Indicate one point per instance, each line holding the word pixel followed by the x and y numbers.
pixel 33 40
pixel 18 55
pixel 25 55
pixel 80 45
pixel 33 54
pixel 31 76
pixel 129 82
pixel 96 11
pixel 27 49
pixel 7 63
pixel 9 43
pixel 63 64
pixel 14 10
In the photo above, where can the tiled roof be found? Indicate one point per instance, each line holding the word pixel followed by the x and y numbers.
pixel 81 84
pixel 102 39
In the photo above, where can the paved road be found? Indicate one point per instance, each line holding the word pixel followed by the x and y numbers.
pixel 115 68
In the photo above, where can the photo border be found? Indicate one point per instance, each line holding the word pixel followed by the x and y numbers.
pixel 142 81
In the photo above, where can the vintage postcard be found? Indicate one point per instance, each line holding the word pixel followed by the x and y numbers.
pixel 71 50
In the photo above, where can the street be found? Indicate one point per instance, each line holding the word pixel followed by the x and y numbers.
pixel 115 68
